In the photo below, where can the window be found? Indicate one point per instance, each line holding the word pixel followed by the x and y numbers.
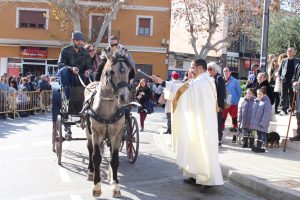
pixel 96 22
pixel 32 18
pixel 144 25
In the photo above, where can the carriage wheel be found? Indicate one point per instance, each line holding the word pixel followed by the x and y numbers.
pixel 59 138
pixel 132 141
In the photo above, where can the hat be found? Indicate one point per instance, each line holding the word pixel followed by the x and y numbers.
pixel 176 75
pixel 77 35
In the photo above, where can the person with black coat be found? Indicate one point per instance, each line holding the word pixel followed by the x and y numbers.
pixel 214 71
pixel 263 82
pixel 143 96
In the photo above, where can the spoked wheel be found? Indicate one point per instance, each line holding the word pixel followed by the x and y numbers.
pixel 58 139
pixel 132 140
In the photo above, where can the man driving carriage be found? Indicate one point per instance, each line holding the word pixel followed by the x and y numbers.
pixel 73 61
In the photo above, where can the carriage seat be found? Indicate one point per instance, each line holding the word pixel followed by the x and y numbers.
pixel 76 100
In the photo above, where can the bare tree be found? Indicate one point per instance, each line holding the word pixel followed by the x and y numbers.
pixel 77 10
pixel 205 18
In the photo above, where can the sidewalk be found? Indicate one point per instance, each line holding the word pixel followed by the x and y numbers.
pixel 274 175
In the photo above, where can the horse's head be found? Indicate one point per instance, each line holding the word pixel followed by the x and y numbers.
pixel 116 75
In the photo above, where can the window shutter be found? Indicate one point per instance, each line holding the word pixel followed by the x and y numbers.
pixel 33 19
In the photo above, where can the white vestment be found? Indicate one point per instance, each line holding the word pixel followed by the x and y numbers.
pixel 195 130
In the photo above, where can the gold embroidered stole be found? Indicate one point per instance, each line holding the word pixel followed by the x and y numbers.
pixel 179 92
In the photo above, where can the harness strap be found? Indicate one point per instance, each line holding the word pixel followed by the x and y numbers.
pixel 121 111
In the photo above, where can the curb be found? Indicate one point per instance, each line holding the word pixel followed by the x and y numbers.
pixel 251 183
pixel 259 186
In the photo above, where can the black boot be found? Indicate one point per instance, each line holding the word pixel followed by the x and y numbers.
pixel 245 145
pixel 258 148
pixel 251 142
pixel 233 139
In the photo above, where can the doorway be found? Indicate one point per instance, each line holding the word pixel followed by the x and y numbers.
pixel 36 70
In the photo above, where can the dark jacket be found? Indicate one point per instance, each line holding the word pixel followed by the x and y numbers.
pixel 283 68
pixel 221 91
pixel 261 114
pixel 269 90
pixel 245 112
pixel 44 85
pixel 69 57
pixel 145 98
pixel 296 73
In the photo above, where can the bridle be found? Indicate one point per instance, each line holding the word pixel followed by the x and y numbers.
pixel 110 73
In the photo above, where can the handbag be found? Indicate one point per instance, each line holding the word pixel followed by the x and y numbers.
pixel 161 100
pixel 149 107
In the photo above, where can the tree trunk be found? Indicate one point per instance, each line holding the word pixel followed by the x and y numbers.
pixel 76 24
pixel 107 19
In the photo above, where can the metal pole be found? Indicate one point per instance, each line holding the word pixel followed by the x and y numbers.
pixel 264 37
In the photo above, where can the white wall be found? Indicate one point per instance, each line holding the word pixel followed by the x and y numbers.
pixel 3 65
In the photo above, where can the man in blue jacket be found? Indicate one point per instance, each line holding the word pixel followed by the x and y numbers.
pixel 234 90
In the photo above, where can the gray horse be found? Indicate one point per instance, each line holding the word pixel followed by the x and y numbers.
pixel 107 105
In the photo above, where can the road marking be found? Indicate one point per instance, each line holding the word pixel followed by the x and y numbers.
pixel 29 158
pixel 41 143
pixel 64 176
pixel 75 197
pixel 10 147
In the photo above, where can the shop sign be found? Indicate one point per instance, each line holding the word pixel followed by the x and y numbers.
pixel 33 52
pixel 13 70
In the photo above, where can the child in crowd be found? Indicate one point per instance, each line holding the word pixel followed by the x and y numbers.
pixel 261 116
pixel 245 117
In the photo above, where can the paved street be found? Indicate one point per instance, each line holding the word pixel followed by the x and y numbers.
pixel 29 169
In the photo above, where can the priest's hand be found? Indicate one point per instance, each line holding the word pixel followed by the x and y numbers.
pixel 157 79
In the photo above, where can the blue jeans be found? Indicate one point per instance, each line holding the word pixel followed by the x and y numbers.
pixel 68 79
pixel 262 136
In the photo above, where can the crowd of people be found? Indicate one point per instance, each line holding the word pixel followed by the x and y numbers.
pixel 267 94
pixel 20 86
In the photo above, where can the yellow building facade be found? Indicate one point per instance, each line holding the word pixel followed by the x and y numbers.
pixel 31 37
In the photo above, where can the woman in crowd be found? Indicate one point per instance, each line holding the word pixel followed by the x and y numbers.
pixel 143 95
pixel 261 116
pixel 4 88
pixel 245 117
pixel 95 60
pixel 214 71
pixel 278 83
pixel 272 76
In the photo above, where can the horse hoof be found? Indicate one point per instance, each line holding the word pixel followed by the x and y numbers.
pixel 116 194
pixel 97 190
pixel 90 176
pixel 96 193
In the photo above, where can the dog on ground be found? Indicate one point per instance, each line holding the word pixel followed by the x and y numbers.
pixel 273 139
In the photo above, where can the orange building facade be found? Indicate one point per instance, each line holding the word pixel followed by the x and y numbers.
pixel 31 37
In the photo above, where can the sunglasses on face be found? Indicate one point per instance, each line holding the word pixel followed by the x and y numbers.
pixel 91 50
pixel 209 69
pixel 114 45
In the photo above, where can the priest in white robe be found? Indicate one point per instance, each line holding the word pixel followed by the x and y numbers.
pixel 195 125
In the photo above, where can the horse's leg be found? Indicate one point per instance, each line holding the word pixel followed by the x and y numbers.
pixel 97 161
pixel 88 132
pixel 114 163
pixel 91 165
